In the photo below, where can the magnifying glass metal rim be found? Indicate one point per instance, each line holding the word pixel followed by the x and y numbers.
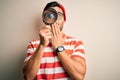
pixel 52 11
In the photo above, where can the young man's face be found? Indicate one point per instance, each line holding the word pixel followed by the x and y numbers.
pixel 60 19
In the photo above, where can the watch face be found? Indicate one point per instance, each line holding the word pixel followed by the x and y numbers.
pixel 60 48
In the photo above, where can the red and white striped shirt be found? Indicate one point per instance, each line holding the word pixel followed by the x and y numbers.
pixel 51 67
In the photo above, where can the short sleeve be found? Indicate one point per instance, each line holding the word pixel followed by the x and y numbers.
pixel 78 51
pixel 30 51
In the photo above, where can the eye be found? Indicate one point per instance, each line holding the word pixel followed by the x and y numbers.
pixel 49 15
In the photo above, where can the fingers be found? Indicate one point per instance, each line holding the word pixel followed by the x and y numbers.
pixel 46 27
pixel 49 31
pixel 55 30
pixel 45 32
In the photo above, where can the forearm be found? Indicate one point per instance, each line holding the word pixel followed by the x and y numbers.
pixel 74 68
pixel 31 67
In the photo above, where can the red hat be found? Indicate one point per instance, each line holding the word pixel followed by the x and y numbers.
pixel 63 9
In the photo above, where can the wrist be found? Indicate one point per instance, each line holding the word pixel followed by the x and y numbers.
pixel 41 46
pixel 40 49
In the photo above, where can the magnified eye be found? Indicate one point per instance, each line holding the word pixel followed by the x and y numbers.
pixel 50 16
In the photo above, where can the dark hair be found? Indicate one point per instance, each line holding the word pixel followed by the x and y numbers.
pixel 54 4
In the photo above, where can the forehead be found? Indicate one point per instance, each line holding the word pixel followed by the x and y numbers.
pixel 57 9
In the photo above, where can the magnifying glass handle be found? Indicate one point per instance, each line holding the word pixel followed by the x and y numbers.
pixel 50 25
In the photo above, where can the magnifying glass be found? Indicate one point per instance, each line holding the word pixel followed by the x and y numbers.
pixel 49 16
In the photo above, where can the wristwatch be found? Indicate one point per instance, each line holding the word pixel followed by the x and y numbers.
pixel 59 49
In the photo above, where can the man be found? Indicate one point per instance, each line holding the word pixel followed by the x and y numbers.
pixel 55 56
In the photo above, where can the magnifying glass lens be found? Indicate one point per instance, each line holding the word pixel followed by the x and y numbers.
pixel 50 16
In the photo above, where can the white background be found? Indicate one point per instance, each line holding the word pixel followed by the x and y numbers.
pixel 95 22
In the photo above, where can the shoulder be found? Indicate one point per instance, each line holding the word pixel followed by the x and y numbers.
pixel 73 39
pixel 33 43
